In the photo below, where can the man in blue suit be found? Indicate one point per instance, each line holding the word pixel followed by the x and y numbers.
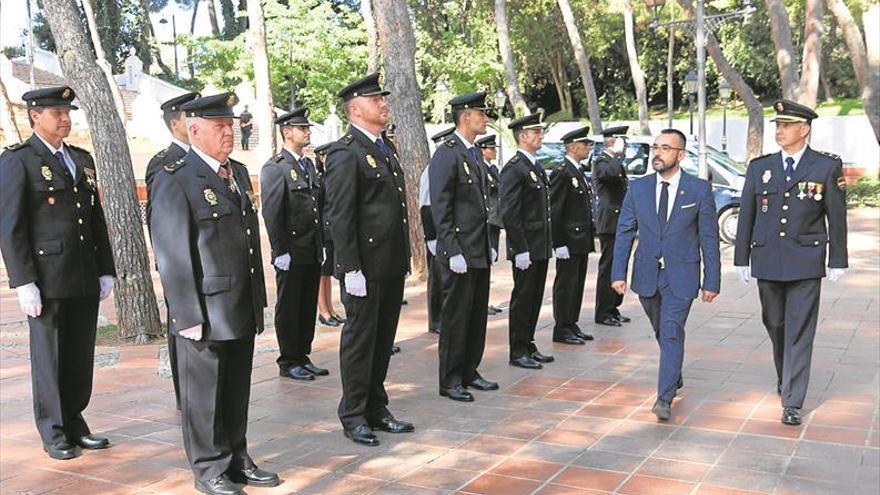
pixel 674 215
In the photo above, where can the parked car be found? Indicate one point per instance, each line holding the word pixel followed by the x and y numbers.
pixel 727 175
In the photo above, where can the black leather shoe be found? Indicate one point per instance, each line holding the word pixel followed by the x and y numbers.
pixel 395 349
pixel 404 302
pixel 609 321
pixel 392 425
pixel 297 373
pixel 494 310
pixel 791 416
pixel 61 450
pixel 457 393
pixel 680 383
pixel 581 335
pixel 338 319
pixel 662 410
pixel 542 358
pixel 779 389
pixel 363 435
pixel 571 339
pixel 91 442
pixel 526 362
pixel 311 368
pixel 623 319
pixel 255 476
pixel 221 485
pixel 435 331
pixel 327 322
pixel 481 383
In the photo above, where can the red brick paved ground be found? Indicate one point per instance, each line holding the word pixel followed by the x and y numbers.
pixel 581 426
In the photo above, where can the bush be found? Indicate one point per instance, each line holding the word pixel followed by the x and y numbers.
pixel 865 192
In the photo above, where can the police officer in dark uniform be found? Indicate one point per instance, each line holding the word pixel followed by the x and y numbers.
pixel 290 192
pixel 525 212
pixel 788 198
pixel 175 121
pixel 435 275
pixel 459 206
pixel 206 237
pixel 326 314
pixel 571 208
pixel 55 245
pixel 489 150
pixel 610 184
pixel 366 203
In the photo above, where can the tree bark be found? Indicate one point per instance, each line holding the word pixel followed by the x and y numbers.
pixel 871 22
pixel 264 106
pixel 372 37
pixel 101 59
pixel 869 82
pixel 780 28
pixel 192 33
pixel 136 309
pixel 150 36
pixel 557 71
pixel 398 46
pixel 670 71
pixel 212 16
pixel 638 76
pixel 7 118
pixel 811 65
pixel 516 98
pixel 583 63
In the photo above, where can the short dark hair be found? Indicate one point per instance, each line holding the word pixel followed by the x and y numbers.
pixel 681 136
pixel 456 115
pixel 169 116
pixel 34 109
pixel 516 133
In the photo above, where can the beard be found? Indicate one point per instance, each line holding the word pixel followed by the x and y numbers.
pixel 663 166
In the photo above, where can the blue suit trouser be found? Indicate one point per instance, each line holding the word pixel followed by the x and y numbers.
pixel 668 315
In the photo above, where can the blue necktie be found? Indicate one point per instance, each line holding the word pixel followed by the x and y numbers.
pixel 789 168
pixel 60 156
pixel 473 151
pixel 304 165
pixel 662 210
pixel 383 147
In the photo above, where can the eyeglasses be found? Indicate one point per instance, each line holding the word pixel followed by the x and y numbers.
pixel 665 148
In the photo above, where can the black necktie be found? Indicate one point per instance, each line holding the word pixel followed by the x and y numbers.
pixel 60 156
pixel 662 210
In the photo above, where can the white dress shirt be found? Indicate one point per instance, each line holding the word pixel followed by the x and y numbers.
pixel 673 191
pixel 797 157
pixel 530 156
pixel 68 161
pixel 369 134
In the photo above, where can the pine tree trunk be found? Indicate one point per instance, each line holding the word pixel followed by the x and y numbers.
pixel 780 28
pixel 102 58
pixel 638 76
pixel 811 66
pixel 7 117
pixel 264 106
pixel 583 63
pixel 192 33
pixel 136 309
pixel 372 37
pixel 398 46
pixel 212 16
pixel 150 36
pixel 516 98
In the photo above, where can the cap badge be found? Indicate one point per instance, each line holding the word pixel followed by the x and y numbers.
pixel 780 106
pixel 66 93
pixel 230 102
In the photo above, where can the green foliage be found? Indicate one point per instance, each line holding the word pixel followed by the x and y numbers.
pixel 218 62
pixel 865 192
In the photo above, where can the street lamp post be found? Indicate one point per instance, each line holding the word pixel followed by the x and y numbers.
pixel 701 25
pixel 690 85
pixel 174 42
pixel 724 91
pixel 500 99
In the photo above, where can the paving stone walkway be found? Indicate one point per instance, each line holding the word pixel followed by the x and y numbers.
pixel 581 426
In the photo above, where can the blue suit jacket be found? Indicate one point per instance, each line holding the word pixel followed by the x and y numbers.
pixel 692 230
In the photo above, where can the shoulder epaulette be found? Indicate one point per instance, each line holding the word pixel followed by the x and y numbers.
pixel 278 158
pixel 759 157
pixel 77 148
pixel 18 146
pixel 175 166
pixel 515 158
pixel 830 155
pixel 162 153
pixel 450 143
pixel 347 139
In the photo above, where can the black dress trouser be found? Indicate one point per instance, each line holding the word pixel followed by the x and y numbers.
pixel 607 301
pixel 435 291
pixel 465 309
pixel 295 311
pixel 568 294
pixel 525 307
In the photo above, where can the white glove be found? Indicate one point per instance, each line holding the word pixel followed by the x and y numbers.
pixel 282 262
pixel 745 274
pixel 619 145
pixel 323 255
pixel 106 282
pixel 494 255
pixel 356 284
pixel 834 274
pixel 29 299
pixel 458 264
pixel 192 333
pixel 522 261
pixel 562 253
pixel 432 247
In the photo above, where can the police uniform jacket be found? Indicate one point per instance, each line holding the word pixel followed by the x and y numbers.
pixel 782 230
pixel 525 208
pixel 292 210
pixel 493 179
pixel 169 155
pixel 366 205
pixel 52 228
pixel 207 245
pixel 610 183
pixel 459 204
pixel 571 209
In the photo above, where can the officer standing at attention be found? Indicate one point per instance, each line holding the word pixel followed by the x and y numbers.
pixel 366 202
pixel 571 208
pixel 175 121
pixel 782 234
pixel 459 205
pixel 290 192
pixel 206 236
pixel 610 183
pixel 489 150
pixel 57 253
pixel 326 313
pixel 525 212
pixel 435 276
